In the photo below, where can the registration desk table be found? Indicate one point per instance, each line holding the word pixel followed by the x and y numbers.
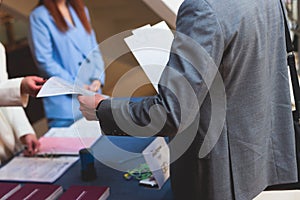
pixel 115 148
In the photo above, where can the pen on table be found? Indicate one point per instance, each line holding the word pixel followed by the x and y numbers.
pixel 24 147
pixel 25 150
pixel 31 152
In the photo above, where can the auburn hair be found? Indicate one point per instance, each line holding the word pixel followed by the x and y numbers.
pixel 60 21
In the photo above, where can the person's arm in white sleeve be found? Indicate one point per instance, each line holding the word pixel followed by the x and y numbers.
pixel 23 129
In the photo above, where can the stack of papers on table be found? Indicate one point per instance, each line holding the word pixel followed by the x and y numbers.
pixel 151 47
pixel 64 145
pixel 69 140
pixel 50 165
pixel 81 128
pixel 36 169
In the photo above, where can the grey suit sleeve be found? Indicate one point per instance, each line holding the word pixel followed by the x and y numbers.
pixel 124 117
pixel 182 87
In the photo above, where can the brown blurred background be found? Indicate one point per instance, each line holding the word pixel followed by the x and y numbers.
pixel 108 18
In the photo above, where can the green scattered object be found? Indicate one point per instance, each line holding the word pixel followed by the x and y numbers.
pixel 140 173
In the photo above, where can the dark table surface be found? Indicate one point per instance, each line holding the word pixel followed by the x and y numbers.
pixel 115 155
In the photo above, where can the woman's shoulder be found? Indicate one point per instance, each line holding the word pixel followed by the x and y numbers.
pixel 40 11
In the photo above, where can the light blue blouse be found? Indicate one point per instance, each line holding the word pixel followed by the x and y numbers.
pixel 73 56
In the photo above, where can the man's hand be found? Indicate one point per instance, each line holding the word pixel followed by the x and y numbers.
pixel 31 85
pixel 88 105
pixel 31 143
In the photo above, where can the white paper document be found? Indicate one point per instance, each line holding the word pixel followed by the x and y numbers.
pixel 151 47
pixel 279 195
pixel 139 31
pixel 82 128
pixel 36 169
pixel 57 86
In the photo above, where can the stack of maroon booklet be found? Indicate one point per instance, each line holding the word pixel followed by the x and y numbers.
pixel 86 193
pixel 7 189
pixel 37 192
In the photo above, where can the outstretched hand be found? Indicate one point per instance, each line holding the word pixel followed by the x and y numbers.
pixel 31 85
pixel 88 105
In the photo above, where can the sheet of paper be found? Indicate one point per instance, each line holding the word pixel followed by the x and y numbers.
pixel 64 145
pixel 140 29
pixel 57 86
pixel 157 156
pixel 36 169
pixel 279 195
pixel 81 128
pixel 85 128
pixel 151 48
pixel 69 140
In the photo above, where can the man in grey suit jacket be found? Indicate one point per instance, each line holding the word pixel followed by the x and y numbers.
pixel 231 129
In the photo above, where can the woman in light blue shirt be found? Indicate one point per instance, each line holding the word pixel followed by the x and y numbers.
pixel 64 45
